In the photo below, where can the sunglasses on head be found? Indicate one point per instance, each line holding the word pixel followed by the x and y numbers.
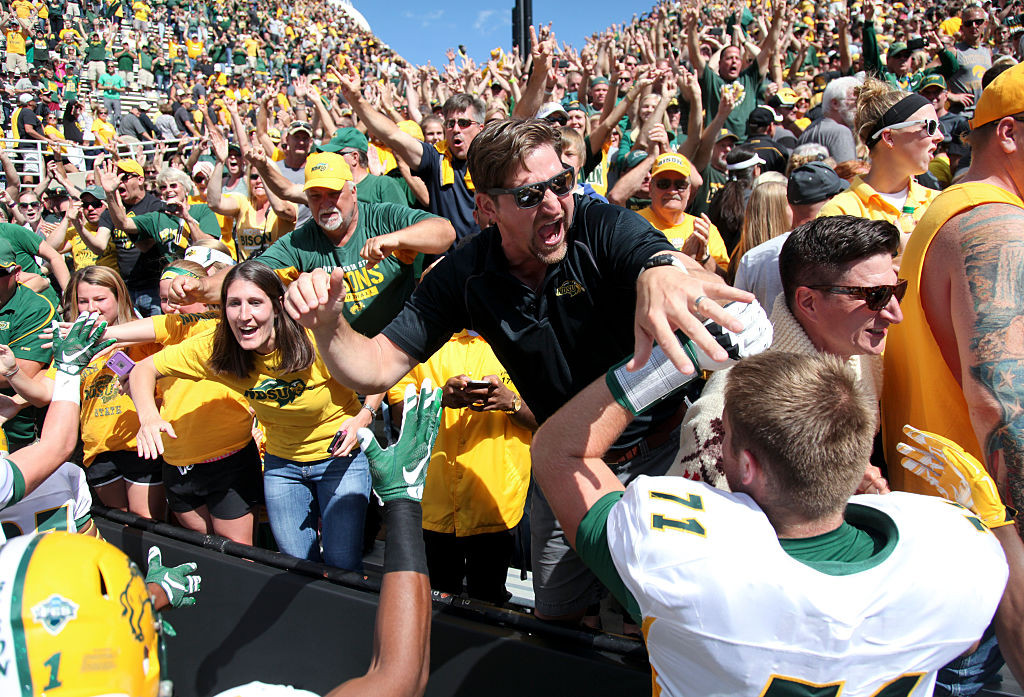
pixel 666 184
pixel 461 123
pixel 876 297
pixel 530 195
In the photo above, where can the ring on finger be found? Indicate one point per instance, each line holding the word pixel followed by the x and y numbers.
pixel 697 302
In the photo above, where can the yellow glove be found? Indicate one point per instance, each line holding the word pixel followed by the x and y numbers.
pixel 955 474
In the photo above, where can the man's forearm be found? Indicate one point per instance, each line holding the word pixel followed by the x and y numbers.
pixel 431 236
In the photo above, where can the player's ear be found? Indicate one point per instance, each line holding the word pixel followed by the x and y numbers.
pixel 749 468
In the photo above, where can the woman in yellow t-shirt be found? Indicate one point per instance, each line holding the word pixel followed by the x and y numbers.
pixel 113 468
pixel 211 470
pixel 902 132
pixel 257 349
pixel 260 218
pixel 101 128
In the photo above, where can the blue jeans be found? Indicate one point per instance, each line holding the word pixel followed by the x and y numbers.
pixel 333 492
pixel 967 675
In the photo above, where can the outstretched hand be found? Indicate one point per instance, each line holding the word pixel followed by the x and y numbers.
pixel 83 342
pixel 316 299
pixel 400 471
pixel 956 475
pixel 180 583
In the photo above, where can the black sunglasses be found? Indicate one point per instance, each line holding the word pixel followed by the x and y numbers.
pixel 530 195
pixel 92 204
pixel 666 184
pixel 876 297
pixel 462 123
pixel 974 22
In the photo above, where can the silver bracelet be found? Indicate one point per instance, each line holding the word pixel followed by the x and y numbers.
pixel 12 373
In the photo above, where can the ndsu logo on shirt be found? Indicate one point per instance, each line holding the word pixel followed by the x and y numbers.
pixel 281 391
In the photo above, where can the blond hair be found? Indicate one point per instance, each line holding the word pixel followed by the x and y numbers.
pixel 767 215
pixel 874 98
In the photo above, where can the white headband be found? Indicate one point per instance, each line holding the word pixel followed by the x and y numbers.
pixel 208 256
pixel 746 164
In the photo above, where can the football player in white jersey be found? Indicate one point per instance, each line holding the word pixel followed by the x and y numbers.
pixel 786 585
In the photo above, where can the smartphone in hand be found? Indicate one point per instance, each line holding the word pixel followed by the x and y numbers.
pixel 120 364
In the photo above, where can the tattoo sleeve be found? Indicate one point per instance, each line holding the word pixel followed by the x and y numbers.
pixel 993 251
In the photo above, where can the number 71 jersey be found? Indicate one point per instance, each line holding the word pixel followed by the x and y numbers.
pixel 726 611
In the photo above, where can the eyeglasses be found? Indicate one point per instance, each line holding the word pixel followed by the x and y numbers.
pixel 463 124
pixel 876 297
pixel 254 176
pixel 974 22
pixel 29 204
pixel 92 204
pixel 199 178
pixel 125 176
pixel 530 195
pixel 678 184
pixel 930 126
pixel 560 120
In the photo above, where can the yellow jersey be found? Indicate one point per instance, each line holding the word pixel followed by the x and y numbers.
pixel 677 234
pixel 301 411
pixel 864 202
pixel 480 468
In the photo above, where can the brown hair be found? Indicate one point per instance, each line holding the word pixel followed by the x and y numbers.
pixel 767 215
pixel 291 340
pixel 99 276
pixel 501 148
pixel 809 425
pixel 874 98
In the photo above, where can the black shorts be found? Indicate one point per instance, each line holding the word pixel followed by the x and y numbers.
pixel 117 464
pixel 229 488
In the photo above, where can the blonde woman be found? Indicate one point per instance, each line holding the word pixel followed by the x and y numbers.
pixel 767 215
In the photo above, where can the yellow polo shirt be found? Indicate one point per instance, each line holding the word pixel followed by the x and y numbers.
pixel 864 202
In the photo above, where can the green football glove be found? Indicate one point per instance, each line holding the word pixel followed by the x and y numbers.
pixel 955 474
pixel 399 471
pixel 84 340
pixel 180 583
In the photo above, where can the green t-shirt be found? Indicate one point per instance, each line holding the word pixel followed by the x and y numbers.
pixel 379 189
pixel 375 294
pixel 96 50
pixel 25 244
pixel 865 539
pixel 713 181
pixel 110 81
pixel 125 62
pixel 21 319
pixel 172 234
pixel 146 60
pixel 711 84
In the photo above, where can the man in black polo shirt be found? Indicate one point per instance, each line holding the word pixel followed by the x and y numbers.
pixel 553 287
pixel 446 175
pixel 138 259
pixel 761 125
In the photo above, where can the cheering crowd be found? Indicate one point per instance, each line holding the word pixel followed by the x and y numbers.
pixel 283 224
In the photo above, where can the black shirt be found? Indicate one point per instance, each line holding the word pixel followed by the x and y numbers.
pixel 27 117
pixel 774 154
pixel 453 201
pixel 139 260
pixel 553 342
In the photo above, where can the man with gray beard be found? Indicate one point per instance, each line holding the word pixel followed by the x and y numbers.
pixel 835 129
pixel 374 243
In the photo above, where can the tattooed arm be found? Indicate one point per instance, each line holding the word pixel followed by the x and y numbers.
pixel 975 268
pixel 974 300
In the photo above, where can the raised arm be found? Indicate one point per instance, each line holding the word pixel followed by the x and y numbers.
pixel 702 156
pixel 693 43
pixel 771 42
pixel 433 235
pixel 379 125
pixel 215 198
pixel 367 365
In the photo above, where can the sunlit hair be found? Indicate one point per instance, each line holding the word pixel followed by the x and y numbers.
pixel 502 147
pixel 767 216
pixel 293 344
pixel 809 425
pixel 99 276
pixel 874 98
pixel 172 174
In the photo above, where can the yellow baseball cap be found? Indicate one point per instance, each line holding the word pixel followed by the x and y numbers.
pixel 1003 97
pixel 328 170
pixel 412 128
pixel 130 166
pixel 671 162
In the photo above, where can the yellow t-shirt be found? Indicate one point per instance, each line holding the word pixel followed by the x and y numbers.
pixel 251 46
pixel 252 235
pixel 864 202
pixel 141 11
pixel 104 130
pixel 83 256
pixel 677 235
pixel 42 10
pixel 194 48
pixel 16 42
pixel 109 419
pixel 23 8
pixel 210 419
pixel 55 133
pixel 480 467
pixel 301 412
pixel 225 222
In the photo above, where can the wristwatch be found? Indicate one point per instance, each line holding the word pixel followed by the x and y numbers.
pixel 664 260
pixel 517 404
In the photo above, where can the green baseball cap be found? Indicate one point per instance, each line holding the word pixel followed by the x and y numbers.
pixel 897 47
pixel 931 80
pixel 345 138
